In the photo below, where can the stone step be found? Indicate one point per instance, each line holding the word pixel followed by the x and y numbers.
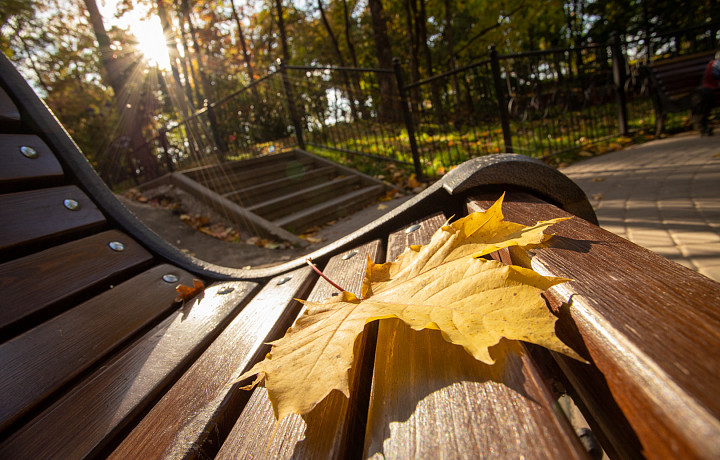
pixel 303 199
pixel 255 194
pixel 339 207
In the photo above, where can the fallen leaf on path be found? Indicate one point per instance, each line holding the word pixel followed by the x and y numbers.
pixel 444 285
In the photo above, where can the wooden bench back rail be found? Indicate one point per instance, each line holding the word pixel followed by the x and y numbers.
pixel 99 360
pixel 672 82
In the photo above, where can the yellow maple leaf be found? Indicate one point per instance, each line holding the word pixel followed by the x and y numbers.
pixel 444 285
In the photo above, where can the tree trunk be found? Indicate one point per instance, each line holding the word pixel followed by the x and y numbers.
pixel 411 29
pixel 389 109
pixel 436 93
pixel 283 33
pixel 176 89
pixel 219 141
pixel 114 75
pixel 341 60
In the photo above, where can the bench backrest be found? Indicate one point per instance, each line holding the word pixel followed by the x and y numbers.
pixel 679 76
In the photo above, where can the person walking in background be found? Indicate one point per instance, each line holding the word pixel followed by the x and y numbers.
pixel 703 98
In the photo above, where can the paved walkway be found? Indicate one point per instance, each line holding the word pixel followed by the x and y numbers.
pixel 663 195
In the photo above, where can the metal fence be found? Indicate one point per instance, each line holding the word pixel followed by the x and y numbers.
pixel 540 103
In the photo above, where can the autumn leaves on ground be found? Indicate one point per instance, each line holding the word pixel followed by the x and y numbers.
pixel 199 231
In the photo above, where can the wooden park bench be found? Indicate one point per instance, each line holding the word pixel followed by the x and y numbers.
pixel 98 360
pixel 672 82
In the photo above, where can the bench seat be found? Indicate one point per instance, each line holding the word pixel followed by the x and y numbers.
pixel 100 359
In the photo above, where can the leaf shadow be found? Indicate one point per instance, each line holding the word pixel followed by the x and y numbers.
pixel 422 383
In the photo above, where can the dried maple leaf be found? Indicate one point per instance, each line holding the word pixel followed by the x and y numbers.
pixel 187 292
pixel 444 285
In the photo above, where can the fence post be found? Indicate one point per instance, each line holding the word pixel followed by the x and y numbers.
pixel 166 150
pixel 500 96
pixel 619 78
pixel 407 116
pixel 291 106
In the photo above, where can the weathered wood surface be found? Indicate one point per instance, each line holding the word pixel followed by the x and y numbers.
pixel 33 216
pixel 326 430
pixel 84 422
pixel 38 362
pixel 63 275
pixel 187 421
pixel 648 324
pixel 431 399
pixel 18 169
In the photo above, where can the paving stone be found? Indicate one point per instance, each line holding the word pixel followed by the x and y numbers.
pixel 664 195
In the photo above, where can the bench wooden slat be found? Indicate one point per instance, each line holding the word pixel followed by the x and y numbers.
pixel 9 113
pixel 185 419
pixel 40 361
pixel 40 169
pixel 426 389
pixel 43 280
pixel 34 216
pixel 325 435
pixel 648 355
pixel 82 423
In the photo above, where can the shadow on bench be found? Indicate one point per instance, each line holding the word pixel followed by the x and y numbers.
pixel 99 360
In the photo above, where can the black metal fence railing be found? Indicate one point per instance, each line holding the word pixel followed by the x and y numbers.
pixel 540 103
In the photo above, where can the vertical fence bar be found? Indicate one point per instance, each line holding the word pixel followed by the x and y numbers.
pixel 619 77
pixel 407 116
pixel 500 96
pixel 291 106
pixel 166 150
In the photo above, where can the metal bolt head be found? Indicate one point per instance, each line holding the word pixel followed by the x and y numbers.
pixel 225 290
pixel 412 228
pixel 28 152
pixel 170 278
pixel 284 280
pixel 349 255
pixel 71 204
pixel 116 246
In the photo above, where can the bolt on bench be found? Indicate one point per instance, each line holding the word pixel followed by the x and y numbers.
pixel 98 360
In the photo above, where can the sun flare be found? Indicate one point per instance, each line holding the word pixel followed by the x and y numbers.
pixel 151 41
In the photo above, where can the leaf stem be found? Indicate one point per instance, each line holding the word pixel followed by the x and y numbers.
pixel 317 270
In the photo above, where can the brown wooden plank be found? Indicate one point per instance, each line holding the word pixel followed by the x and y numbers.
pixel 9 114
pixel 82 423
pixel 185 417
pixel 29 217
pixel 38 362
pixel 324 431
pixel 430 399
pixel 42 166
pixel 649 325
pixel 39 281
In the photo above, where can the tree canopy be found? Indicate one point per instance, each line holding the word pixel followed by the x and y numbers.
pixel 96 74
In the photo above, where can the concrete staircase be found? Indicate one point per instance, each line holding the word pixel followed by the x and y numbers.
pixel 293 190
